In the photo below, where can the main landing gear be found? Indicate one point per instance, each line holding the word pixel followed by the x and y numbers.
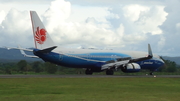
pixel 88 71
pixel 151 73
pixel 109 72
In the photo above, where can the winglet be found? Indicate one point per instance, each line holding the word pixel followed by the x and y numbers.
pixel 150 55
pixel 149 51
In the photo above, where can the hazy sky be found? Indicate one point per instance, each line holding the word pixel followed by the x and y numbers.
pixel 110 24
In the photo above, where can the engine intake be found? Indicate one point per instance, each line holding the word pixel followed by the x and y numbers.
pixel 131 68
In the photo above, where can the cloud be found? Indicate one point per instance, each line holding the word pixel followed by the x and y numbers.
pixel 57 13
pixel 75 32
pixel 140 22
pixel 147 19
pixel 2 13
pixel 113 3
pixel 14 28
pixel 150 20
pixel 104 33
pixel 170 28
pixel 128 25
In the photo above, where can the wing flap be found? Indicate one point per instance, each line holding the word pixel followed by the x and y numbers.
pixel 115 64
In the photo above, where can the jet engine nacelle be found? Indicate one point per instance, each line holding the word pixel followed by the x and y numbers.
pixel 131 68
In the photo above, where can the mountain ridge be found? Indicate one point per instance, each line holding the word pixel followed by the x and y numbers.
pixel 14 55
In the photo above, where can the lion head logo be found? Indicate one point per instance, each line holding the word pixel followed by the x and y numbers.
pixel 40 35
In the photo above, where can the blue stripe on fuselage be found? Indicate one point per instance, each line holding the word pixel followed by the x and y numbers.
pixel 72 60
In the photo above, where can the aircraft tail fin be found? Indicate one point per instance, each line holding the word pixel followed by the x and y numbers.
pixel 41 37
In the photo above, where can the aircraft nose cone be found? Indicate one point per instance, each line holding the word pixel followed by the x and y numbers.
pixel 162 62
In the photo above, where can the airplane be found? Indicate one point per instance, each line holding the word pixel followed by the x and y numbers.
pixel 92 60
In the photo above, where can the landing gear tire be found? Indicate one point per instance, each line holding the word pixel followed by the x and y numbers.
pixel 88 72
pixel 151 73
pixel 109 72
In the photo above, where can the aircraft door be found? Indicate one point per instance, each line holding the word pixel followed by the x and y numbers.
pixel 60 56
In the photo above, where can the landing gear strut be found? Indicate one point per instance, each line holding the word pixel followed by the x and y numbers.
pixel 109 72
pixel 88 71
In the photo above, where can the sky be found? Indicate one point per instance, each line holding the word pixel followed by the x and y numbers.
pixel 102 24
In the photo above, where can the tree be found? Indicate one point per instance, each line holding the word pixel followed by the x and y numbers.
pixel 50 68
pixel 37 66
pixel 27 68
pixel 22 65
pixel 170 66
pixel 8 69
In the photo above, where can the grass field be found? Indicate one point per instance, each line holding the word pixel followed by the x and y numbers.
pixel 89 89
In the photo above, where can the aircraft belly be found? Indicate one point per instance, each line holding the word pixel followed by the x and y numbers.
pixel 78 63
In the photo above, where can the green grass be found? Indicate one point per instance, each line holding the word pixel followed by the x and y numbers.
pixel 89 89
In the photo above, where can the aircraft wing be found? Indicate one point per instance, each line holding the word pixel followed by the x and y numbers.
pixel 115 64
pixel 122 61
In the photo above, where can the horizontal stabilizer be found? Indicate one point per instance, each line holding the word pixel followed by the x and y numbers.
pixel 47 50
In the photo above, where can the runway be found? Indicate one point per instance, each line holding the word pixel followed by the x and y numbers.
pixel 89 76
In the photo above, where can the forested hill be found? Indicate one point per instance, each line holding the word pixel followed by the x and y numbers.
pixel 175 59
pixel 14 55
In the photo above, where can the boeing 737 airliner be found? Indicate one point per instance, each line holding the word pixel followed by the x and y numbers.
pixel 90 59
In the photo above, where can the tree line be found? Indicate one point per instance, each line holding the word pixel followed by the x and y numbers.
pixel 24 67
pixel 170 66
